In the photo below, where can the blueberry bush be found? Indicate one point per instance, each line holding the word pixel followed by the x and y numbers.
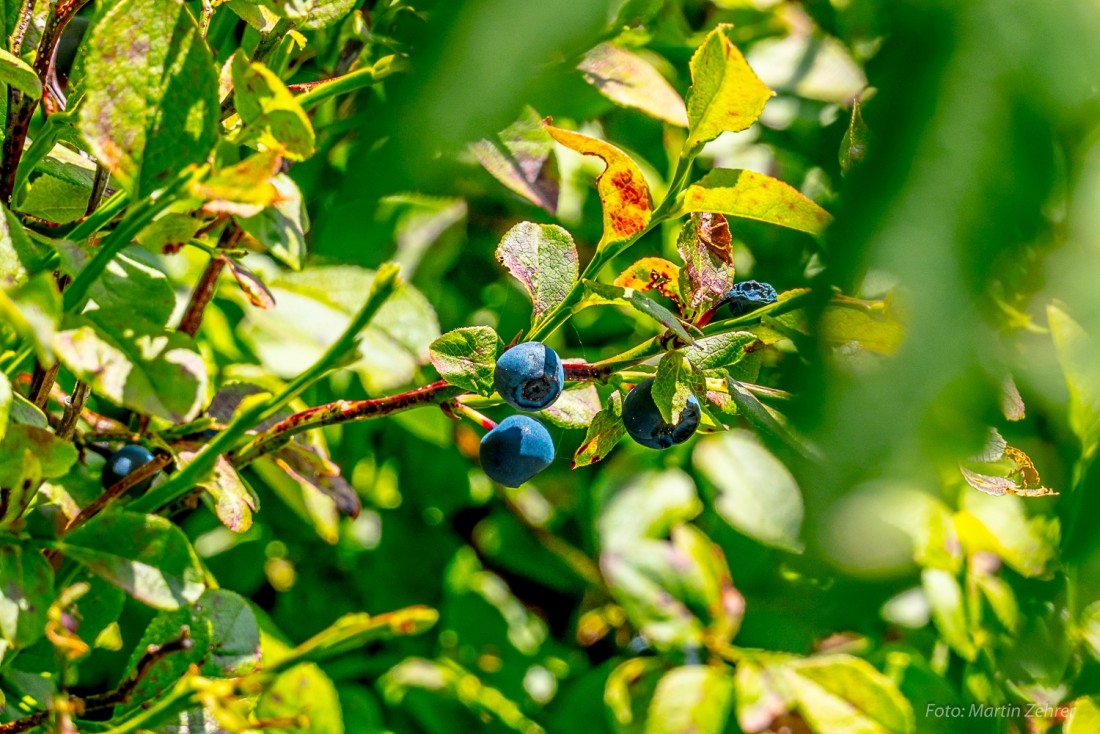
pixel 628 366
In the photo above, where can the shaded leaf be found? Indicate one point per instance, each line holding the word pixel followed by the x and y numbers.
pixel 622 188
pixel 145 555
pixel 750 195
pixel 466 358
pixel 627 79
pixel 945 597
pixel 311 465
pixel 522 158
pixel 725 94
pixel 151 98
pixel 721 350
pixel 281 228
pixel 857 139
pixel 544 259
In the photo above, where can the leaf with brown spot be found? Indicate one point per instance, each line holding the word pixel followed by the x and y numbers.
pixel 604 432
pixel 704 243
pixel 1002 469
pixel 627 79
pixel 653 274
pixel 311 465
pixel 272 119
pixel 244 188
pixel 622 188
pixel 522 158
pixel 234 502
pixel 151 98
pixel 751 195
pixel 250 284
pixel 726 95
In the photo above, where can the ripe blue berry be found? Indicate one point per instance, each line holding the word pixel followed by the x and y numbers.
pixel 516 450
pixel 646 426
pixel 529 376
pixel 124 461
pixel 749 295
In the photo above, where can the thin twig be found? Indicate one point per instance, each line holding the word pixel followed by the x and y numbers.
pixel 201 296
pixel 22 107
pixel 73 408
pixel 42 384
pixel 26 13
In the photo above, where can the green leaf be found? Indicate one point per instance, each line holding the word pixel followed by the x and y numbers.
pixel 750 195
pixel 225 643
pixel 544 259
pixel 303 691
pixel 627 79
pixel 726 96
pixel 1084 716
pixel 18 73
pixel 271 118
pixel 1001 525
pixel 676 382
pixel 151 98
pixel 1078 354
pixel 234 503
pixel 135 363
pixel 647 505
pixel 26 412
pixel 145 555
pixel 841 693
pixel 54 455
pixel 281 228
pixel 705 576
pixel 756 494
pixel 857 139
pixel 521 156
pixel 33 311
pixel 600 294
pixel 466 358
pixel 324 13
pixel 764 420
pixel 26 591
pixel 605 431
pixel 20 258
pixel 622 188
pixel 721 350
pixel 704 244
pixel 695 698
pixel 645 578
pixel 576 407
pixel 6 396
pixel 945 597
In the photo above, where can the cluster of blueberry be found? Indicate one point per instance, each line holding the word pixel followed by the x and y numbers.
pixel 530 377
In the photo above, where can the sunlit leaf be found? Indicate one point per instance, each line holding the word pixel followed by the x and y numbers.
pixel 605 431
pixel 522 158
pixel 467 358
pixel 704 244
pixel 623 190
pixel 726 94
pixel 544 259
pixel 627 79
pixel 751 195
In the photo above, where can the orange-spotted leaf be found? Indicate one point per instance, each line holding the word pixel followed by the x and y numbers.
pixel 652 274
pixel 726 95
pixel 623 190
pixel 750 195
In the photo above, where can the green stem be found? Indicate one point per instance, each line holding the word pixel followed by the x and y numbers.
pixel 183 481
pixel 352 81
pixel 101 217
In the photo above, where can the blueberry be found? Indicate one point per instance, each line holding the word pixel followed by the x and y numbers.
pixel 646 426
pixel 749 295
pixel 124 461
pixel 529 376
pixel 516 450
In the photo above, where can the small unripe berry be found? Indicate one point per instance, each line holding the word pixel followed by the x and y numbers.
pixel 749 295
pixel 124 462
pixel 645 424
pixel 529 376
pixel 516 450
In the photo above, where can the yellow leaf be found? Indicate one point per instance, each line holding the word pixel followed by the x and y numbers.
pixel 622 188
pixel 750 195
pixel 652 273
pixel 726 95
